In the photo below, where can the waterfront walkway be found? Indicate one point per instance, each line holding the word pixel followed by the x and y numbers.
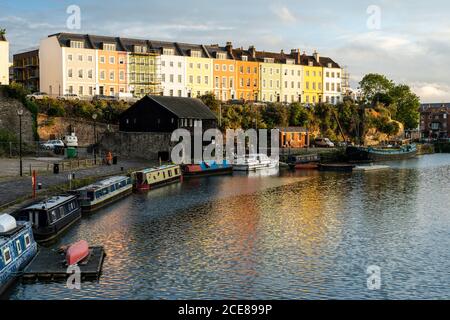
pixel 17 189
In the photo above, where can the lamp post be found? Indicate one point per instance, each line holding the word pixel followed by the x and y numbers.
pixel 94 117
pixel 20 114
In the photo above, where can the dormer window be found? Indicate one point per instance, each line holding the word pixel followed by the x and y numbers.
pixel 196 54
pixel 310 63
pixel 109 47
pixel 221 55
pixel 290 61
pixel 269 60
pixel 140 49
pixel 168 51
pixel 77 44
pixel 244 58
pixel 330 65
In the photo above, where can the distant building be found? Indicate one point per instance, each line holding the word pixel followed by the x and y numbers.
pixel 4 60
pixel 435 120
pixel 26 69
pixel 293 137
pixel 166 114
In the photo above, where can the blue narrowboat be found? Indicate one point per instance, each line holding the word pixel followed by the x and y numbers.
pixel 52 216
pixel 207 168
pixel 17 249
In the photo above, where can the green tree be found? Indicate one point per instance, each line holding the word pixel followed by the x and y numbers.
pixel 275 115
pixel 407 106
pixel 298 115
pixel 375 86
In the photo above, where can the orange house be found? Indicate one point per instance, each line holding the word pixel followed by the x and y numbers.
pixel 224 72
pixel 247 74
pixel 112 72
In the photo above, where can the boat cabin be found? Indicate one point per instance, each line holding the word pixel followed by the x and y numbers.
pixel 152 177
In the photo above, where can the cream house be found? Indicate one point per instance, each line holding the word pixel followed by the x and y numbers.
pixel 332 81
pixel 4 60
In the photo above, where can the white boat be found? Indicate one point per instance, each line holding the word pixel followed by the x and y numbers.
pixel 253 162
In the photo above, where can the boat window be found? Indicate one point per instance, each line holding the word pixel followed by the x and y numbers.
pixel 105 191
pixel 98 194
pixel 169 173
pixel 129 181
pixel 62 212
pixel 176 172
pixel 113 188
pixel 19 247
pixel 27 240
pixel 7 256
pixel 164 175
pixel 90 195
pixel 53 216
pixel 123 183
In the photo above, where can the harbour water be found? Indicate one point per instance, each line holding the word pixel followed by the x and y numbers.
pixel 287 235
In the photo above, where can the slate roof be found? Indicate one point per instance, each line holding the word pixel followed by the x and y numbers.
pixel 433 107
pixel 186 108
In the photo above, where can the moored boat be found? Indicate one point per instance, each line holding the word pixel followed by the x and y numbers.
pixel 304 162
pixel 52 216
pixel 254 162
pixel 206 168
pixel 372 154
pixel 337 167
pixel 102 193
pixel 151 178
pixel 17 249
pixel 77 252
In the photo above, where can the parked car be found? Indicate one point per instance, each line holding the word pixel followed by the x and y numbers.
pixel 69 96
pixel 323 143
pixel 101 97
pixel 37 96
pixel 125 97
pixel 71 140
pixel 52 144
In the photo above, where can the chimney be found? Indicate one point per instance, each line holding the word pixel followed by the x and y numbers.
pixel 282 52
pixel 296 54
pixel 316 56
pixel 229 47
pixel 252 51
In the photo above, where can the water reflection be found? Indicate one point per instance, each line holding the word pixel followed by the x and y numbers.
pixel 283 235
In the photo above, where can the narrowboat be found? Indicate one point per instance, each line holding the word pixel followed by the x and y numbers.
pixel 52 216
pixel 17 249
pixel 156 177
pixel 371 154
pixel 102 193
pixel 207 168
pixel 254 162
pixel 304 162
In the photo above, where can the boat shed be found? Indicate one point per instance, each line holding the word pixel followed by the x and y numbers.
pixel 166 114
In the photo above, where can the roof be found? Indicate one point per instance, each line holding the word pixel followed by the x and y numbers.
pixel 324 61
pixel 186 108
pixel 51 203
pixel 434 106
pixel 104 183
pixel 292 129
pixel 155 169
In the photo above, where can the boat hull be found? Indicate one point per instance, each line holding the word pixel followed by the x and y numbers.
pixel 94 207
pixel 337 167
pixel 305 166
pixel 251 167
pixel 146 187
pixel 356 154
pixel 208 172
pixel 51 232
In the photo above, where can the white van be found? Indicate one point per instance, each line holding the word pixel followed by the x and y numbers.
pixel 125 97
pixel 71 140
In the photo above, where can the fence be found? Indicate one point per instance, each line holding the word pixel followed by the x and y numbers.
pixel 35 149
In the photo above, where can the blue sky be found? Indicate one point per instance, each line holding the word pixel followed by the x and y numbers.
pixel 412 45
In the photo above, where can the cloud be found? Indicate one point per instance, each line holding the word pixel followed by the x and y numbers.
pixel 284 14
pixel 432 92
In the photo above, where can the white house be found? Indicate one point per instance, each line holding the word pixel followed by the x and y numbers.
pixel 332 81
pixel 173 72
pixel 4 60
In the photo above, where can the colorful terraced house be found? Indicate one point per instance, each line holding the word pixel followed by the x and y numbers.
pixel 90 65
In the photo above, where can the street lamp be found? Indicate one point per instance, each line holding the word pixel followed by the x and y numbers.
pixel 94 117
pixel 20 114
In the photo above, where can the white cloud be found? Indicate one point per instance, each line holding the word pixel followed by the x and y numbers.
pixel 432 92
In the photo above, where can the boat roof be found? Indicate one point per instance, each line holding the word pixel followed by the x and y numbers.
pixel 5 237
pixel 153 169
pixel 104 183
pixel 51 203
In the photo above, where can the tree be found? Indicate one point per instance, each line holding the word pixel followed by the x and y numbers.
pixel 375 86
pixel 276 115
pixel 298 115
pixel 407 106
pixel 2 32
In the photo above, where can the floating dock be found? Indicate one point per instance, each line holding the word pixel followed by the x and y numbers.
pixel 49 265
pixel 370 168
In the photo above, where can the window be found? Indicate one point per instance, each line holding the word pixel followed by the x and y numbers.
pixel 102 59
pixel 70 57
pixel 112 75
pixel 112 60
pixel 70 89
pixel 224 67
pixel 199 79
pixel 231 68
pixel 196 54
pixel 163 77
pixel 121 60
pixel 224 82
pixel 217 67
pixel 80 91
pixel 122 75
pixel 70 73
pixel 206 80
pixel 168 51
pixel 180 65
pixel 244 58
pixel 90 74
pixel 109 47
pixel 27 240
pixel 18 247
pixel 80 74
pixel 191 79
pixel 80 57
pixel 180 78
pixel 6 256
pixel 171 78
pixel 171 93
pixel 77 44
pixel 199 65
pixel 91 91
pixel 180 93
pixel 102 75
pixel 163 63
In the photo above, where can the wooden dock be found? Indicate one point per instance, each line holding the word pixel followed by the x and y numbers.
pixel 49 265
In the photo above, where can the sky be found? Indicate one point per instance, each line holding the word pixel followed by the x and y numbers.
pixel 408 41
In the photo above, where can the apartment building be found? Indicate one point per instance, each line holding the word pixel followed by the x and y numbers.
pixel 173 69
pixel 4 60
pixel 312 79
pixel 247 74
pixel 224 71
pixel 332 81
pixel 435 120
pixel 199 69
pixel 291 77
pixel 270 67
pixel 26 69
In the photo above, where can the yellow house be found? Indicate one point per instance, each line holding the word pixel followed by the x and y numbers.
pixel 312 79
pixel 270 69
pixel 199 70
